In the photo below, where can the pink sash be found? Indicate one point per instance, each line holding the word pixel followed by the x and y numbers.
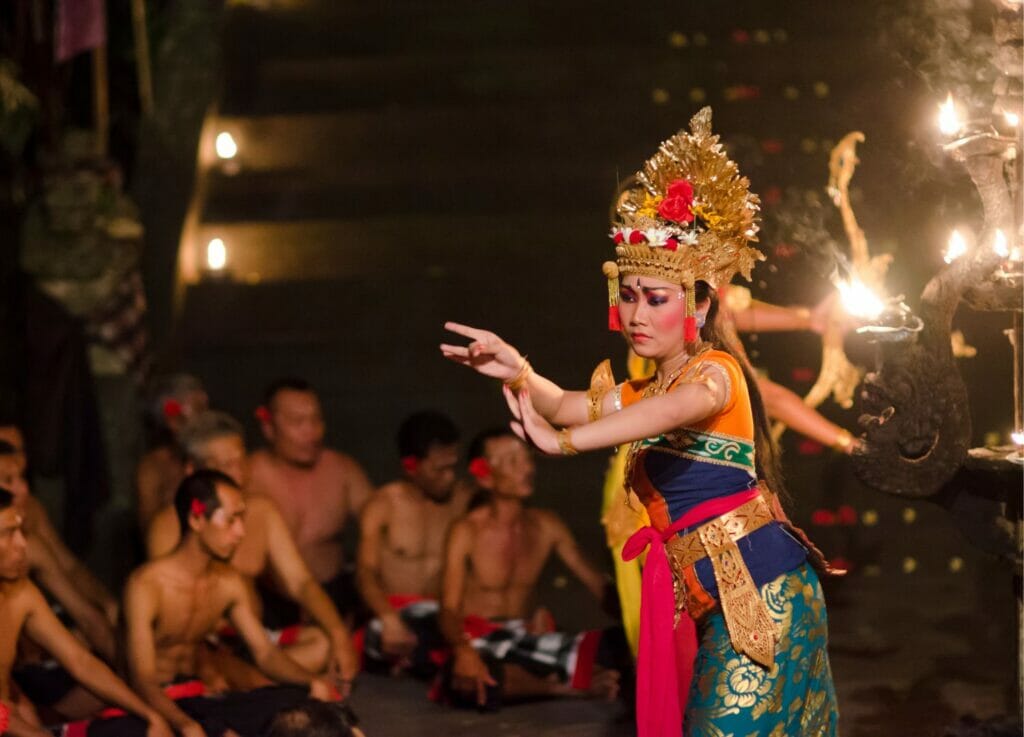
pixel 665 660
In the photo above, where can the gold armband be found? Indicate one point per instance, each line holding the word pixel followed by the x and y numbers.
pixel 601 382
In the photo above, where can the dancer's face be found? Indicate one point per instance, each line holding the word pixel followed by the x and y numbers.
pixel 652 312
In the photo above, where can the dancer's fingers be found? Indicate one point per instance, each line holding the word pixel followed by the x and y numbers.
pixel 458 350
pixel 520 433
pixel 513 402
pixel 464 360
pixel 465 330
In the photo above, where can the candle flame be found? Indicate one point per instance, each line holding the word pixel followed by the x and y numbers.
pixel 858 300
pixel 225 145
pixel 949 121
pixel 1012 119
pixel 999 244
pixel 216 254
pixel 1017 437
pixel 957 247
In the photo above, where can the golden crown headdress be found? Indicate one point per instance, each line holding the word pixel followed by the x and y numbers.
pixel 691 218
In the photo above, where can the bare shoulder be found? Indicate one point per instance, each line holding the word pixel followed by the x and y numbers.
pixel 260 462
pixel 547 520
pixel 339 461
pixel 465 528
pixel 146 578
pixel 386 498
pixel 261 506
pixel 474 518
pixel 20 596
pixel 227 576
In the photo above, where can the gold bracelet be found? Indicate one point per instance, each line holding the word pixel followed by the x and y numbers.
pixel 518 381
pixel 565 442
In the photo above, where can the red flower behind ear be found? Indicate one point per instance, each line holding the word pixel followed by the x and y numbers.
pixel 410 464
pixel 480 468
pixel 262 414
pixel 172 409
pixel 198 508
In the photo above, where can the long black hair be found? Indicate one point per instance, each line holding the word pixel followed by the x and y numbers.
pixel 766 452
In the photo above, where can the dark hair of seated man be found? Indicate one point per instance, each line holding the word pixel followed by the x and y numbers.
pixel 421 431
pixel 286 383
pixel 312 718
pixel 199 488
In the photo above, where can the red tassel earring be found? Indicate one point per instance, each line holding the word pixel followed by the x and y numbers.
pixel 611 272
pixel 690 322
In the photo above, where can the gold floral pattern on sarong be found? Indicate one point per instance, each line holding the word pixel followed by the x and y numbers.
pixel 732 696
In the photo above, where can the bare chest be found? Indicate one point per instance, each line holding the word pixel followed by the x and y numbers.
pixel 188 612
pixel 508 555
pixel 313 503
pixel 418 530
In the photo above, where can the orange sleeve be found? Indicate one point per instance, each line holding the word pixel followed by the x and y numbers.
pixel 734 372
pixel 632 391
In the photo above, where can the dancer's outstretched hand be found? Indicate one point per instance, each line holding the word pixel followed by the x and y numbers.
pixel 487 353
pixel 529 425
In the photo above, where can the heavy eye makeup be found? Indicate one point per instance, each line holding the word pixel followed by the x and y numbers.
pixel 655 297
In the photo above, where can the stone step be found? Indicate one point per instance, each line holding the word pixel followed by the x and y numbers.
pixel 529 75
pixel 413 245
pixel 504 186
pixel 432 138
pixel 334 27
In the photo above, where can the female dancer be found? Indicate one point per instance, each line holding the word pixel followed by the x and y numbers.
pixel 740 585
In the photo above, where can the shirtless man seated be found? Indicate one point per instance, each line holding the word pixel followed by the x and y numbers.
pixel 69 584
pixel 214 440
pixel 24 611
pixel 172 401
pixel 401 543
pixel 318 491
pixel 502 647
pixel 174 603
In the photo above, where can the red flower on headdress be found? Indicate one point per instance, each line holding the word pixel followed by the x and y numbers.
pixel 480 468
pixel 636 237
pixel 198 508
pixel 678 203
pixel 262 414
pixel 618 237
pixel 172 409
pixel 410 464
pixel 671 244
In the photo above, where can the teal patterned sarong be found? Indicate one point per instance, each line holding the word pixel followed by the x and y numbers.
pixel 732 696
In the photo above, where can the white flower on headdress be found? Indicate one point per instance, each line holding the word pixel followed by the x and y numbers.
pixel 689 237
pixel 658 236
